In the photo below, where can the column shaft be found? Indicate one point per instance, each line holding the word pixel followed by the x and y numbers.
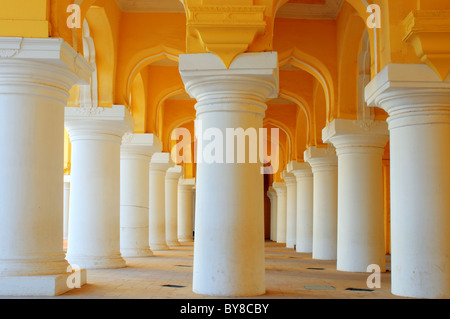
pixel 360 196
pixel 159 165
pixel 172 177
pixel 136 152
pixel 229 222
pixel 186 210
pixel 291 209
pixel 33 91
pixel 305 200
pixel 418 104
pixel 324 166
pixel 94 223
pixel 280 188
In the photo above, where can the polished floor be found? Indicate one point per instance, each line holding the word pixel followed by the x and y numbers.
pixel 289 275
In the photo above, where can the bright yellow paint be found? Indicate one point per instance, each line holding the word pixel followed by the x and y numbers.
pixel 24 18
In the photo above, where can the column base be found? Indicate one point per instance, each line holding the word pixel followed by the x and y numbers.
pixel 186 240
pixel 136 253
pixel 173 244
pixel 229 293
pixel 156 247
pixel 38 286
pixel 110 262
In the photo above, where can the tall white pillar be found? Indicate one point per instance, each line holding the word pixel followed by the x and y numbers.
pixel 280 188
pixel 272 194
pixel 324 165
pixel 66 207
pixel 418 104
pixel 135 156
pixel 305 200
pixel 35 78
pixel 159 165
pixel 94 222
pixel 172 177
pixel 186 199
pixel 229 222
pixel 291 208
pixel 360 148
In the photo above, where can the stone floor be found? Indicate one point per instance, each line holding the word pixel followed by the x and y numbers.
pixel 287 277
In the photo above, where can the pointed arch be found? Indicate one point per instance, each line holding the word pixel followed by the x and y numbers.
pixel 138 62
pixel 318 70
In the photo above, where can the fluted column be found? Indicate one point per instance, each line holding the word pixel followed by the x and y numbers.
pixel 280 188
pixel 94 223
pixel 324 165
pixel 186 199
pixel 35 78
pixel 305 199
pixel 360 148
pixel 229 224
pixel 291 208
pixel 418 104
pixel 172 177
pixel 135 156
pixel 272 194
pixel 159 165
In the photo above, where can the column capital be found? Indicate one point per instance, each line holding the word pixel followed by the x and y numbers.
pixel 412 94
pixel 244 86
pixel 98 123
pixel 51 52
pixel 280 188
pixel 289 178
pixel 140 144
pixel 161 162
pixel 174 173
pixel 186 184
pixel 350 136
pixel 300 169
pixel 271 192
pixel 321 158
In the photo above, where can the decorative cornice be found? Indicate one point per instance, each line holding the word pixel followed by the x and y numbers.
pixel 224 30
pixel 428 31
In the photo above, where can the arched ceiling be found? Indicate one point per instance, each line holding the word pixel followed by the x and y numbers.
pixel 293 9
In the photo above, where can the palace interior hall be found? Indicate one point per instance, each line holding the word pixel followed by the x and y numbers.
pixel 225 149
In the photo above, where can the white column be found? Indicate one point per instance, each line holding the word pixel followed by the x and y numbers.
pixel 135 156
pixel 280 188
pixel 159 165
pixel 35 78
pixel 305 200
pixel 360 148
pixel 291 208
pixel 94 223
pixel 418 104
pixel 324 166
pixel 66 207
pixel 186 199
pixel 229 227
pixel 172 177
pixel 272 194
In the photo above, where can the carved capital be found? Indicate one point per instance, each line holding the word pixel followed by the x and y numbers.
pixel 428 31
pixel 223 29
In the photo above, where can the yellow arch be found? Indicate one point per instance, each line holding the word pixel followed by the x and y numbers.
pixel 318 70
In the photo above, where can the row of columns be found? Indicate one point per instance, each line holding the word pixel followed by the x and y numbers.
pixel 340 188
pixel 37 76
pixel 146 213
pixel 336 196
